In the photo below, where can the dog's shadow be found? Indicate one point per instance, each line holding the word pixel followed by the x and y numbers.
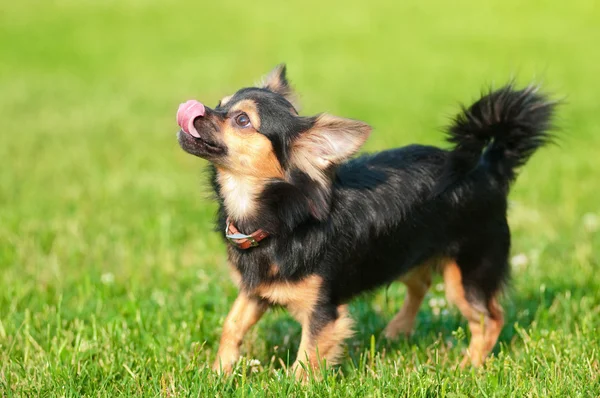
pixel 281 333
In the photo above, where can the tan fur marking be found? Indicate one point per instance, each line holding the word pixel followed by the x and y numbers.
pixel 299 297
pixel 329 341
pixel 273 270
pixel 243 315
pixel 327 345
pixel 301 159
pixel 303 352
pixel 331 140
pixel 250 155
pixel 275 81
pixel 225 100
pixel 247 147
pixel 485 323
pixel 417 283
pixel 249 107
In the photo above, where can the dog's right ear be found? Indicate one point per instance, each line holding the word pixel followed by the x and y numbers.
pixel 330 141
pixel 277 82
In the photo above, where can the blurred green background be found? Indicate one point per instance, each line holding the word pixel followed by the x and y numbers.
pixel 111 281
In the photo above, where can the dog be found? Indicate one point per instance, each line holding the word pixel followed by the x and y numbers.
pixel 309 226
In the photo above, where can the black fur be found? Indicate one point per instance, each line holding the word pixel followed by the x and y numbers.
pixel 509 125
pixel 384 219
pixel 383 214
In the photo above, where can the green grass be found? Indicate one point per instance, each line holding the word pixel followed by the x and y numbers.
pixel 111 281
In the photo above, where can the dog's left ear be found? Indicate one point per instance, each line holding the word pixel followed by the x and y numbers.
pixel 329 141
pixel 277 82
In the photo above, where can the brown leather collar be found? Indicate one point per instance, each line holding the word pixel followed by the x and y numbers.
pixel 242 241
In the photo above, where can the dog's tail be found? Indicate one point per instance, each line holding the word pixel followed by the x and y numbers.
pixel 499 132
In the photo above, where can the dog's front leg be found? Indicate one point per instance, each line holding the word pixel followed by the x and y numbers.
pixel 246 311
pixel 323 335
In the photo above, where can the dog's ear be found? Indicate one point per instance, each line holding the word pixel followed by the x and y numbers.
pixel 277 82
pixel 329 141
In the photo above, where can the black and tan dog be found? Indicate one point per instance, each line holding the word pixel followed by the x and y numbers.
pixel 318 228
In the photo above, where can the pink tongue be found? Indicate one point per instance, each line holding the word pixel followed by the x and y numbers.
pixel 187 113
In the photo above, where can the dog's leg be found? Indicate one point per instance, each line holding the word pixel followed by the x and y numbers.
pixel 417 283
pixel 246 311
pixel 485 319
pixel 323 335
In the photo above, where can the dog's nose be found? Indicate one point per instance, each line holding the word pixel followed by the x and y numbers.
pixel 187 113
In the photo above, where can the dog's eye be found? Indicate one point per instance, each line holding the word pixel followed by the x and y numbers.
pixel 242 120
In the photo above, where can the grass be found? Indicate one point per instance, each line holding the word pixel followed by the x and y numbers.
pixel 111 281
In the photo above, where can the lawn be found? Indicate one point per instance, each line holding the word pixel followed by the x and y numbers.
pixel 111 281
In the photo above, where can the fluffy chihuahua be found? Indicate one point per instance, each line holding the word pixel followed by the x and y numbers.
pixel 309 227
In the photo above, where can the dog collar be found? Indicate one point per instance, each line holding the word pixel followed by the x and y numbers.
pixel 240 240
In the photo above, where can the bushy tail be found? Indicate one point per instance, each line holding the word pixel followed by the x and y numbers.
pixel 500 132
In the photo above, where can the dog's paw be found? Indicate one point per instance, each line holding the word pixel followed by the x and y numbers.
pixel 469 360
pixel 302 372
pixel 395 330
pixel 223 366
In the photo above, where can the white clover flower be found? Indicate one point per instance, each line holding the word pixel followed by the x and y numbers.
pixel 159 298
pixel 254 365
pixel 591 222
pixel 107 278
pixel 436 305
pixel 202 275
pixel 84 346
pixel 520 260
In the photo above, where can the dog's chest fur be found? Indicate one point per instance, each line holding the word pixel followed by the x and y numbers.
pixel 239 195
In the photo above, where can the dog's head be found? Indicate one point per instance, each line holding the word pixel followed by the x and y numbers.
pixel 256 137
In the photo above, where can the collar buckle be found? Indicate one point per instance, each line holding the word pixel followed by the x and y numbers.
pixel 233 238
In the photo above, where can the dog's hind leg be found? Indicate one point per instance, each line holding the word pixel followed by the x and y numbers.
pixel 417 283
pixel 484 315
